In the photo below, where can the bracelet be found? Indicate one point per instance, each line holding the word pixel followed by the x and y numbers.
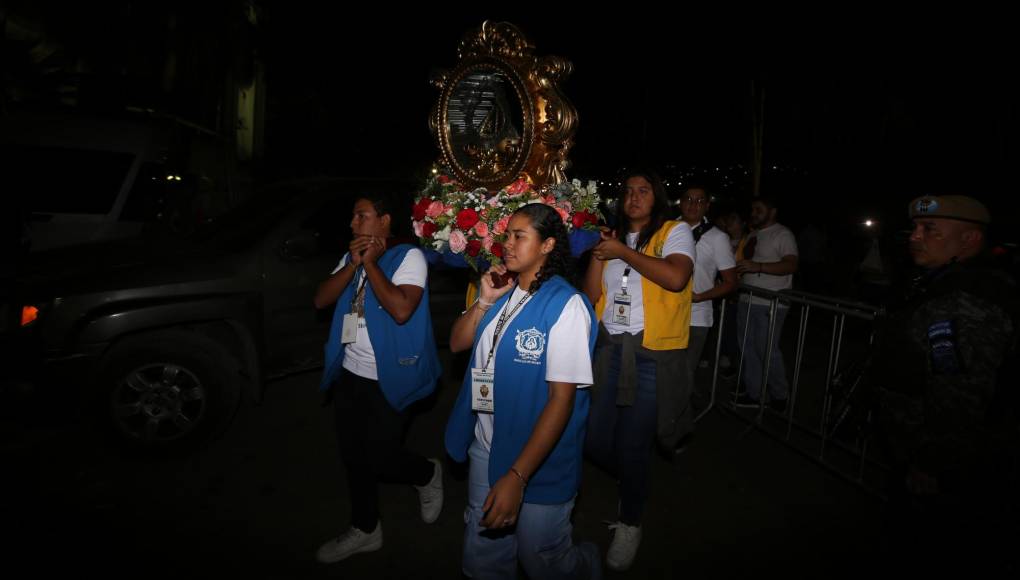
pixel 483 305
pixel 518 474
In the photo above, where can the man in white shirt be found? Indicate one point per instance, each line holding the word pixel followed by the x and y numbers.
pixel 715 273
pixel 770 260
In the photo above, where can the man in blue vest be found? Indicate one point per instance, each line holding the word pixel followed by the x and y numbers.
pixel 380 357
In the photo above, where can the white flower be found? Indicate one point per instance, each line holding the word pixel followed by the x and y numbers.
pixel 443 234
pixel 438 245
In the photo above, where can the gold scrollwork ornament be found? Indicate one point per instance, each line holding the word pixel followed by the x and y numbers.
pixel 501 114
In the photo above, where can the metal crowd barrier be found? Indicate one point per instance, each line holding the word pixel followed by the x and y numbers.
pixel 812 428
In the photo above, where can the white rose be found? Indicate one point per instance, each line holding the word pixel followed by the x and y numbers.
pixel 443 234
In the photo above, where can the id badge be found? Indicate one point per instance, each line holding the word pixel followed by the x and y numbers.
pixel 349 333
pixel 621 309
pixel 482 387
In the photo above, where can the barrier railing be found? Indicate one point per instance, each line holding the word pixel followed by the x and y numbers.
pixel 825 416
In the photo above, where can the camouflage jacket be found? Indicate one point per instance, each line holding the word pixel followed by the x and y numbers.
pixel 940 368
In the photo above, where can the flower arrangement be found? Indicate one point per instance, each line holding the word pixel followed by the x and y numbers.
pixel 472 223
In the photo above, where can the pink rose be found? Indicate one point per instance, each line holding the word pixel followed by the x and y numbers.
pixel 457 241
pixel 500 226
pixel 435 209
pixel 493 201
pixel 563 214
pixel 417 228
pixel 482 229
pixel 487 243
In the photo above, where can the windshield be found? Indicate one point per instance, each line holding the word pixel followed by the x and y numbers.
pixel 62 180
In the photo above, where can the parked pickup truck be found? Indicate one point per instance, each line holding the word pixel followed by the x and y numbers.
pixel 161 337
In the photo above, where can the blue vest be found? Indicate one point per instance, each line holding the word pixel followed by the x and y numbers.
pixel 521 393
pixel 405 354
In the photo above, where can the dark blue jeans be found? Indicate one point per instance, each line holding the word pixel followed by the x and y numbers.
pixel 619 438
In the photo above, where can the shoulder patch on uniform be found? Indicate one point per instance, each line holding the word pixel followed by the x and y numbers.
pixel 942 344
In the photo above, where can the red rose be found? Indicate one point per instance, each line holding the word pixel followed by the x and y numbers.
pixel 427 229
pixel 466 219
pixel 419 208
pixel 443 179
pixel 473 247
pixel 583 217
pixel 497 250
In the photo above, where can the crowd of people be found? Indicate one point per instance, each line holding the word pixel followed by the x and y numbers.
pixel 599 365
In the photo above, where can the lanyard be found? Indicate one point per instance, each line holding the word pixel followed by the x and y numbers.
pixel 503 318
pixel 359 295
pixel 626 273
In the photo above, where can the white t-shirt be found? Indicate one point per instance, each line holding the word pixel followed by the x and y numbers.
pixel 773 243
pixel 714 254
pixel 359 357
pixel 679 241
pixel 567 356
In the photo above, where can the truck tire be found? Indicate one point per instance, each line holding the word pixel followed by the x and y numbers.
pixel 167 393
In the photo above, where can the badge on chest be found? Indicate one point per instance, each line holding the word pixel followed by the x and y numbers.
pixel 621 309
pixel 482 390
pixel 349 332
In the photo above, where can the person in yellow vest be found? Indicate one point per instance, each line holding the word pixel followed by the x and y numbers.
pixel 638 280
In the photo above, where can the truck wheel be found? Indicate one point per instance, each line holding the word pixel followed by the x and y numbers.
pixel 167 392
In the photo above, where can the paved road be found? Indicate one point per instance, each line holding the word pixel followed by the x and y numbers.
pixel 260 500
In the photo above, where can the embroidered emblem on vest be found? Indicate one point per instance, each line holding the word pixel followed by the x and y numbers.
pixel 530 345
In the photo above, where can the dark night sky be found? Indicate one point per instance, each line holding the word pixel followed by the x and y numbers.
pixel 874 115
pixel 869 108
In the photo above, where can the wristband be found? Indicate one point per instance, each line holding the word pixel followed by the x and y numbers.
pixel 524 480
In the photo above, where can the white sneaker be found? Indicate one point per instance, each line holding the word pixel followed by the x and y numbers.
pixel 623 548
pixel 351 542
pixel 431 494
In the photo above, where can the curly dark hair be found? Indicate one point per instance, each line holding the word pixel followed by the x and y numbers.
pixel 548 224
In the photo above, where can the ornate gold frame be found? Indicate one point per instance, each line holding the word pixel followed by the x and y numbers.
pixel 549 119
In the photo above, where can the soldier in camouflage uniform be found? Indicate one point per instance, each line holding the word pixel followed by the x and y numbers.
pixel 947 408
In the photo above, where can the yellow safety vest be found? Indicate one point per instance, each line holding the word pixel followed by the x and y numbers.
pixel 667 314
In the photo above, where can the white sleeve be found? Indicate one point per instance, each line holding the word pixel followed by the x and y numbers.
pixel 569 360
pixel 343 262
pixel 680 241
pixel 723 252
pixel 786 244
pixel 413 270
